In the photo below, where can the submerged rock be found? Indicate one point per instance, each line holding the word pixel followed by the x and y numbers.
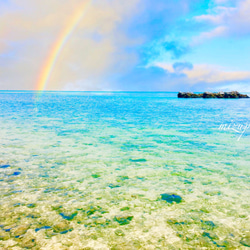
pixel 232 94
pixel 31 205
pixel 123 219
pixel 16 173
pixel 97 221
pixel 20 230
pixel 208 224
pixel 124 208
pixel 96 175
pixel 28 243
pixel 119 232
pixel 210 235
pixel 4 166
pixel 9 228
pixel 4 235
pixel 111 185
pixel 57 207
pixel 41 228
pixel 34 215
pixel 245 241
pixel 212 192
pixel 93 209
pixel 122 178
pixel 138 160
pixel 68 216
pixel 171 198
pixel 61 227
pixel 187 182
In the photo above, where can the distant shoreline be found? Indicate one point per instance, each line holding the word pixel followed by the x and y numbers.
pixel 221 95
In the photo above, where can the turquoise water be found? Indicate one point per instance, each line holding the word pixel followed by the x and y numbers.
pixel 87 170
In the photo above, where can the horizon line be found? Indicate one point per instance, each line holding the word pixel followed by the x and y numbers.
pixel 132 91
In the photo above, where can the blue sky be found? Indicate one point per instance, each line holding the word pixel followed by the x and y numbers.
pixel 163 45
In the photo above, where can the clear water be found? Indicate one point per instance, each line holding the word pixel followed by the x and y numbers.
pixel 87 170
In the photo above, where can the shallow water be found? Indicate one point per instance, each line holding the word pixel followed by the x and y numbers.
pixel 87 170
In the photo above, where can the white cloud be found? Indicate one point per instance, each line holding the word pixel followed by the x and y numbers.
pixel 227 21
pixel 204 36
pixel 209 74
pixel 213 74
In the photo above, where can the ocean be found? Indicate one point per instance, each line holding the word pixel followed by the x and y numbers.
pixel 123 170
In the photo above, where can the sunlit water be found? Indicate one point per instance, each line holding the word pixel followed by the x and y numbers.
pixel 87 170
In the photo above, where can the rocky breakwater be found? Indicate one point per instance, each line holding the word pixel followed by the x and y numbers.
pixel 233 94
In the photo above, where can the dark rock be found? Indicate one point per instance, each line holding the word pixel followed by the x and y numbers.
pixel 232 94
pixel 32 205
pixel 62 226
pixel 33 215
pixel 245 241
pixel 114 186
pixel 209 95
pixel 7 229
pixel 16 173
pixel 180 95
pixel 138 160
pixel 123 219
pixel 68 216
pixel 57 207
pixel 170 198
pixel 124 208
pixel 225 244
pixel 40 228
pixel 96 175
pixel 17 205
pixel 4 166
pixel 187 182
pixel 93 209
pixel 119 232
pixel 211 236
pixel 208 224
pixel 122 178
pixel 66 231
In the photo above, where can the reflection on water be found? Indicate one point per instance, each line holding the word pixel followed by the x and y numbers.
pixel 122 171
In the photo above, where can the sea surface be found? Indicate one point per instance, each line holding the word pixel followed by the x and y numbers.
pixel 123 170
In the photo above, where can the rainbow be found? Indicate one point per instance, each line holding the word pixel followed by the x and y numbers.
pixel 59 44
